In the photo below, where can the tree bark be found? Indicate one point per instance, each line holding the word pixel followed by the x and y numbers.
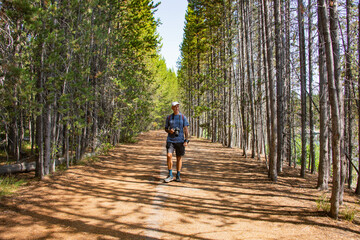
pixel 301 10
pixel 229 37
pixel 47 139
pixel 357 191
pixel 334 32
pixel 272 153
pixel 40 173
pixel 279 84
pixel 347 103
pixel 17 168
pixel 324 164
pixel 288 86
pixel 311 120
pixel 243 105
pixel 250 76
pixel 267 108
pixel 335 109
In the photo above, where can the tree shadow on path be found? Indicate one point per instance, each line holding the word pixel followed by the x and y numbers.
pixel 122 196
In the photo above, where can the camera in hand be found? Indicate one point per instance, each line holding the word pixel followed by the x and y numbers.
pixel 176 131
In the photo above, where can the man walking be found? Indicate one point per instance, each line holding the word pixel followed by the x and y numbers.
pixel 176 126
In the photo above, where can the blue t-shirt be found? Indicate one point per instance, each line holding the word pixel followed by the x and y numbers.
pixel 176 121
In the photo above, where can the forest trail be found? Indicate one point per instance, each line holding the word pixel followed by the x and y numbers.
pixel 222 196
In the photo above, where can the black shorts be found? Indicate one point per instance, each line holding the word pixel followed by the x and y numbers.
pixel 179 147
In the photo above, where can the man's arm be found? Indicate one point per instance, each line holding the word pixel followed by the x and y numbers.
pixel 186 132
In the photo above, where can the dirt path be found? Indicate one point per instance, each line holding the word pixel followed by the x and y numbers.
pixel 222 196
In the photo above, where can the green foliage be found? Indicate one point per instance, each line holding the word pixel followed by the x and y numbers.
pixel 199 110
pixel 105 148
pixel 61 167
pixel 349 213
pixel 201 71
pixel 166 90
pixel 91 61
pixel 88 160
pixel 323 203
pixel 297 140
pixel 9 185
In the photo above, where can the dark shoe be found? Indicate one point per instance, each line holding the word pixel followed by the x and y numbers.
pixel 178 179
pixel 168 179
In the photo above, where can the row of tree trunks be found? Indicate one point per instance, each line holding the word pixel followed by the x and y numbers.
pixel 249 97
pixel 76 73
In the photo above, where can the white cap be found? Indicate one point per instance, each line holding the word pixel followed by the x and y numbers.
pixel 175 103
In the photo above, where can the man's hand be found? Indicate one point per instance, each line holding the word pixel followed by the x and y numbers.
pixel 171 131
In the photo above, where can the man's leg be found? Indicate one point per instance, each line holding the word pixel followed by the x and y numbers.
pixel 180 151
pixel 169 161
pixel 178 167
pixel 178 163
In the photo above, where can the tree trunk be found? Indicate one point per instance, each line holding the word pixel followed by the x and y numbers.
pixel 24 167
pixel 324 164
pixel 335 113
pixel 67 144
pixel 259 101
pixel 47 139
pixel 243 104
pixel 13 137
pixel 357 191
pixel 229 71
pixel 197 130
pixel 293 133
pixel 40 173
pixel 279 84
pixel 287 99
pixel 311 120
pixel 334 32
pixel 31 133
pixel 301 10
pixel 248 48
pixel 347 104
pixel 263 35
pixel 53 136
pixel 272 153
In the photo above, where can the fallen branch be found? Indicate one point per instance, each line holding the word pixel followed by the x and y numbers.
pixel 23 167
pixel 28 167
pixel 19 167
